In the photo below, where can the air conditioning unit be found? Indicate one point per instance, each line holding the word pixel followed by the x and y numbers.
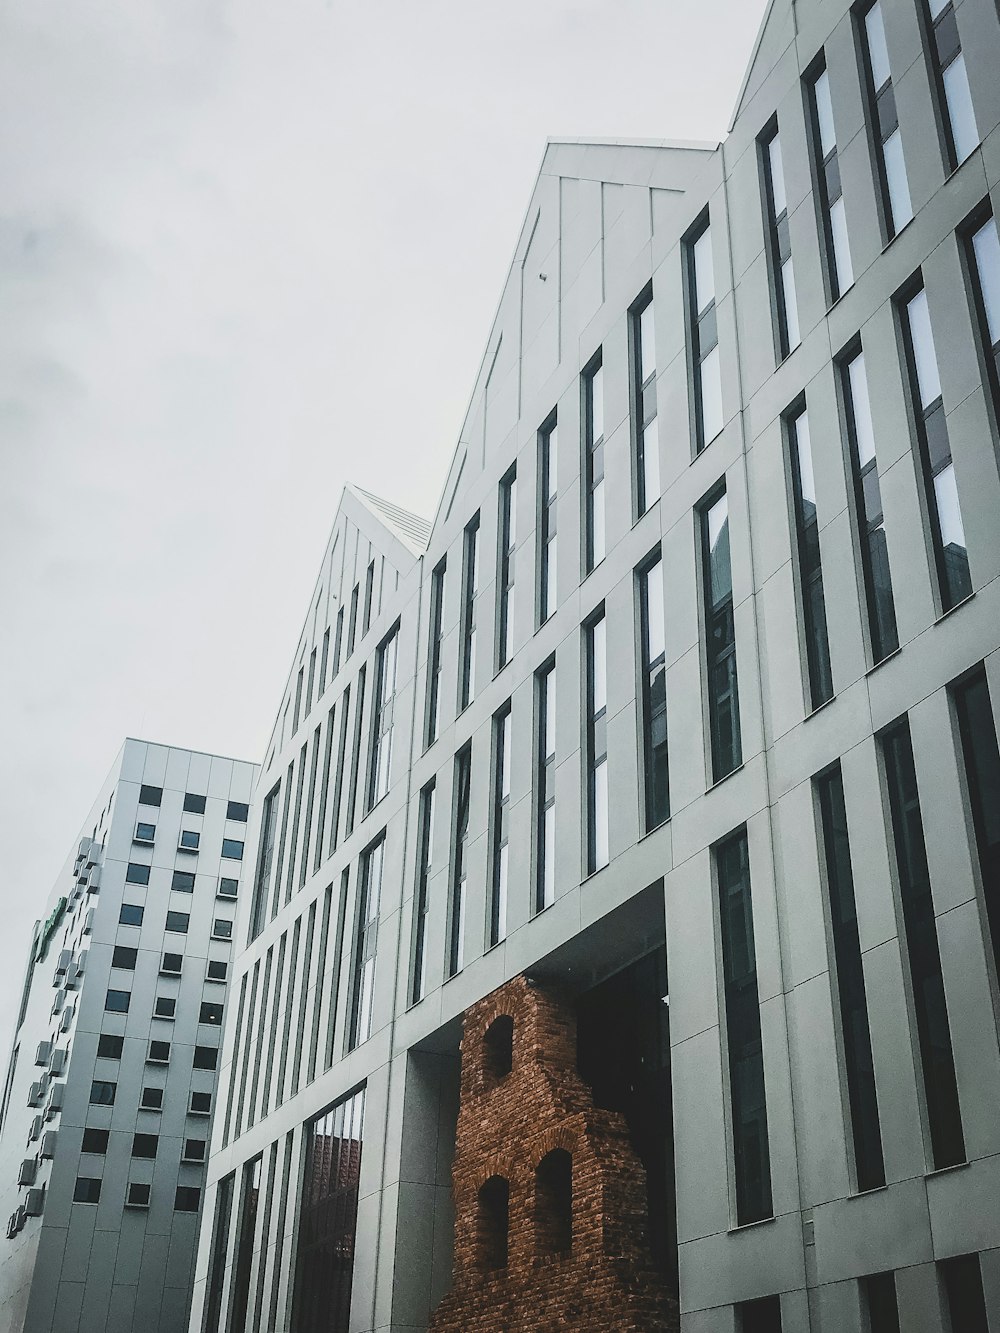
pixel 58 1000
pixel 93 852
pixel 43 1052
pixel 57 1061
pixel 12 1226
pixel 84 848
pixel 33 1203
pixel 27 1171
pixel 67 1018
pixel 55 1102
pixel 88 921
pixel 47 1148
pixel 94 882
pixel 35 1093
pixel 81 962
pixel 36 1128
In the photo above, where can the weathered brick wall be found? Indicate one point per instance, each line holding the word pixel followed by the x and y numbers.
pixel 506 1127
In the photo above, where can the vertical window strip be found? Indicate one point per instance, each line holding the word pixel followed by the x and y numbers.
pixel 338 643
pixel 703 336
pixel 977 730
pixel 940 486
pixel 421 906
pixel 460 855
pixel 310 682
pixel 304 999
pixel 547 512
pixel 983 248
pixel 324 662
pixel 500 825
pixel 435 636
pixel 293 966
pixel 867 497
pixel 322 995
pixel 363 982
pixel 359 712
pixel 352 621
pixel 280 1229
pixel 593 464
pixel 265 860
pixel 236 1047
pixel 293 842
pixel 382 713
pixel 279 973
pixel 248 1035
pixel 829 191
pixel 653 693
pixel 597 742
pixel 751 1154
pixel 810 568
pixel 296 715
pixel 505 573
pixel 251 1107
pixel 239 1299
pixel 880 1302
pixel 324 790
pixel 645 445
pixel 265 1235
pixel 848 971
pixel 545 789
pixel 338 961
pixel 922 951
pixel 338 781
pixel 720 635
pixel 883 121
pixel 962 1278
pixel 470 587
pixel 369 588
pixel 951 80
pixel 779 244
pixel 310 805
pixel 217 1260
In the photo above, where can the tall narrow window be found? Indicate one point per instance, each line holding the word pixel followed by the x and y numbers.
pixel 644 433
pixel 310 682
pixel 500 825
pixel 338 781
pixel 786 314
pixel 982 772
pixel 653 682
pixel 324 662
pixel 751 1155
pixel 505 568
pixel 265 860
pixel 296 715
pixel 962 1278
pixel 328 1219
pixel 352 623
pixel 850 981
pixel 883 122
pixel 810 568
pixel 947 530
pixel 366 940
pixel 293 843
pixel 356 747
pixel 944 52
pixel 984 255
pixel 366 618
pixel 923 954
pixel 421 906
pixel 338 642
pixel 720 636
pixel 880 1302
pixel 217 1261
pixel 593 464
pixel 382 708
pixel 595 637
pixel 547 520
pixel 703 337
pixel 310 804
pixel 470 586
pixel 545 788
pixel 868 506
pixel 434 639
pixel 246 1228
pixel 324 790
pixel 460 860
pixel 829 193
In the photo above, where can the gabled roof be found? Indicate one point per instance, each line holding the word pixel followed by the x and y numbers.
pixel 412 530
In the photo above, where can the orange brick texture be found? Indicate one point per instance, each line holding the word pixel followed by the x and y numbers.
pixel 577 1255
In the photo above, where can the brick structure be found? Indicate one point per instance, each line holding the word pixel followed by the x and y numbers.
pixel 550 1198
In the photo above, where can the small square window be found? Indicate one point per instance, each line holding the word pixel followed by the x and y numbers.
pixel 222 930
pixel 206 1057
pixel 150 795
pixel 216 971
pixel 210 1013
pixel 102 1093
pixel 152 1099
pixel 117 1001
pixel 201 1103
pixel 96 1141
pixel 136 874
pixel 145 1145
pixel 172 963
pixel 138 1195
pixel 194 1150
pixel 159 1053
pixel 178 922
pixel 124 957
pixel 228 888
pixel 194 805
pixel 144 832
pixel 130 914
pixel 232 848
pixel 87 1190
pixel 187 1199
pixel 164 1006
pixel 238 810
pixel 182 881
pixel 109 1047
pixel 189 840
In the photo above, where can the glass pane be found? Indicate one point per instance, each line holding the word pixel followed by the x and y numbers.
pixel 841 246
pixel 986 248
pixel 900 208
pixel 549 871
pixel 824 114
pixel 877 52
pixel 949 514
pixel 647 344
pixel 651 463
pixel 922 342
pixel 551 459
pixel 597 402
pixel 720 581
pixel 600 830
pixel 597 519
pixel 803 456
pixel 599 666
pixel 655 643
pixel 863 429
pixel 777 173
pixel 960 110
pixel 704 272
pixel 711 395
pixel 791 310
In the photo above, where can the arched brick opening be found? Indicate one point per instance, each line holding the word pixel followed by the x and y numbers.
pixel 498 1050
pixel 493 1223
pixel 554 1204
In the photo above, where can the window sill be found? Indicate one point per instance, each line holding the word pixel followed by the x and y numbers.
pixel 833 304
pixel 952 609
pixel 946 1170
pixel 594 873
pixel 819 708
pixel 649 832
pixel 882 661
pixel 725 778
pixel 749 1226
pixel 895 237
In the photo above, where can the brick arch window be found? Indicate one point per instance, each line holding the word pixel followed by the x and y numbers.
pixel 492 1223
pixel 498 1049
pixel 554 1203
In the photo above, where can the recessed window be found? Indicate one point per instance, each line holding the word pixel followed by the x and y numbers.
pixel 645 444
pixel 201 1103
pixel 136 874
pixel 152 1099
pixel 545 787
pixel 194 805
pixel 547 489
pixel 884 122
pixel 187 1199
pixel 87 1190
pixel 164 1006
pixel 145 1145
pixel 554 1203
pixel 498 1049
pixel 786 318
pixel 96 1141
pixel 102 1093
pixel 172 963
pixel 238 810
pixel 433 703
pixel 592 387
pixel 228 888
pixel 150 795
pixel 117 1001
pixel 182 881
pixel 138 1195
pixel 222 930
pixel 460 859
pixel 109 1047
pixel 467 640
pixel 232 848
pixel 596 750
pixel 206 1057
pixel 178 922
pixel 159 1053
pixel 194 1150
pixel 124 957
pixel 130 914
pixel 492 1223
pixel 189 841
pixel 216 970
pixel 144 833
pixel 210 1013
pixel 720 638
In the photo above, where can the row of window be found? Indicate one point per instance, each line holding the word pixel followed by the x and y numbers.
pixel 189 840
pixel 104 1091
pixel 187 1198
pixel 158 1051
pixel 178 923
pixel 194 804
pixel 96 1141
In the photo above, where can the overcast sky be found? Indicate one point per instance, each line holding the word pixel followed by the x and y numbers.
pixel 249 252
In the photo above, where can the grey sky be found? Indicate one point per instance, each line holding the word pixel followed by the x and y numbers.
pixel 249 252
